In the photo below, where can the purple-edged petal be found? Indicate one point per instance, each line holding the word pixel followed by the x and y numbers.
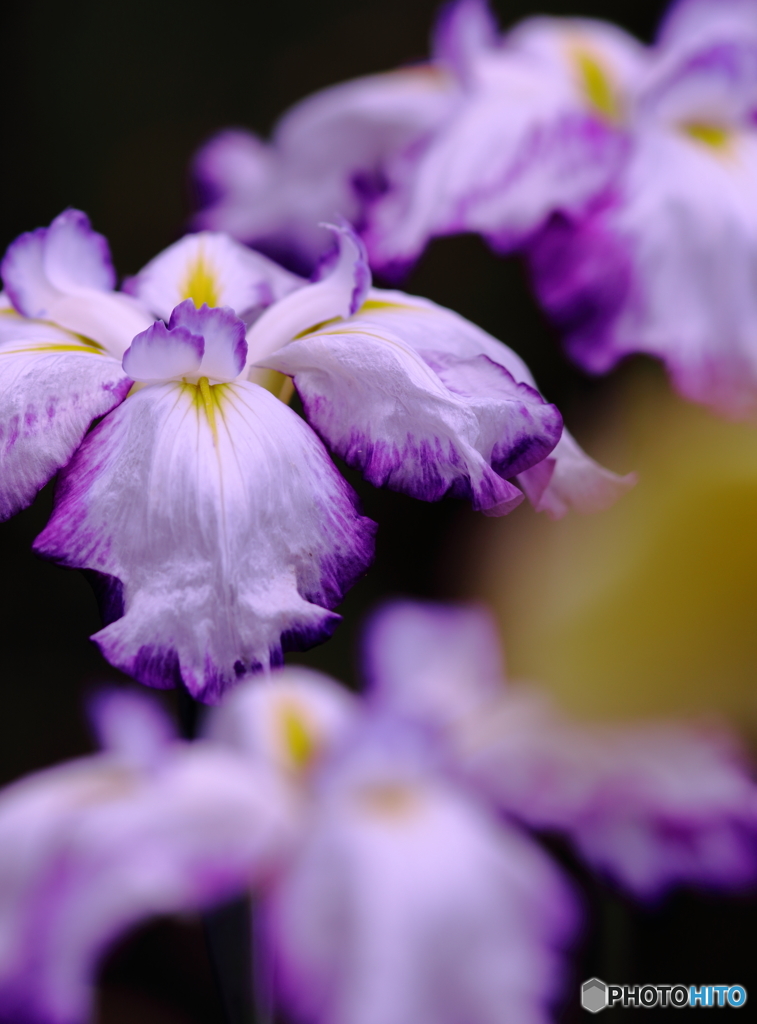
pixel 162 353
pixel 52 386
pixel 326 159
pixel 407 902
pixel 538 132
pixel 91 848
pixel 211 268
pixel 464 30
pixel 432 664
pixel 225 351
pixel 651 806
pixel 402 393
pixel 337 295
pixel 63 274
pixel 226 523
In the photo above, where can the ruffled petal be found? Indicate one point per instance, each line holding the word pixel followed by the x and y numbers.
pixel 225 348
pixel 160 353
pixel 406 902
pixel 63 274
pixel 667 269
pixel 570 479
pixel 292 720
pixel 403 394
pixel 92 848
pixel 52 386
pixel 535 134
pixel 431 664
pixel 336 296
pixel 326 160
pixel 226 523
pixel 209 267
pixel 652 806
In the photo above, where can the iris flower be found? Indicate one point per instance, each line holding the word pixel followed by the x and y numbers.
pixel 540 128
pixel 220 530
pixel 666 265
pixel 387 838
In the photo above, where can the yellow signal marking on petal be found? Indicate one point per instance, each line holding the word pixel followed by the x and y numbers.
pixel 299 739
pixel 597 84
pixel 201 282
pixel 317 327
pixel 208 400
pixel 370 304
pixel 94 350
pixel 713 135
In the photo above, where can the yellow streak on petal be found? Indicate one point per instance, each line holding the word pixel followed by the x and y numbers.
pixel 713 135
pixel 370 304
pixel 201 282
pixel 597 84
pixel 208 400
pixel 280 386
pixel 297 735
pixel 317 327
pixel 94 350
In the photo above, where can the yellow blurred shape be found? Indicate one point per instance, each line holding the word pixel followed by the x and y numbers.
pixel 649 608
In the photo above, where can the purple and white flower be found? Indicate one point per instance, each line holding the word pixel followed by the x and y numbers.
pixel 386 838
pixel 540 128
pixel 666 263
pixel 219 526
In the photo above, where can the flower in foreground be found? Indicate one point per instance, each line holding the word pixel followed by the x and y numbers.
pixel 666 264
pixel 220 529
pixel 385 837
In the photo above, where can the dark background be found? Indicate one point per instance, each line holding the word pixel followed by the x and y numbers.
pixel 103 106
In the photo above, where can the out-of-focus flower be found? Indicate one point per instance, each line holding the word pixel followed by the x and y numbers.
pixel 326 158
pixel 541 127
pixel 90 848
pixel 666 263
pixel 383 836
pixel 220 527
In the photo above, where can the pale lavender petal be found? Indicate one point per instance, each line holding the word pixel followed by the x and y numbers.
pixel 292 720
pixel 161 353
pixel 135 730
pixel 226 523
pixel 92 848
pixel 463 30
pixel 402 392
pixel 432 664
pixel 337 295
pixel 326 159
pixel 651 806
pixel 52 386
pixel 572 481
pixel 407 902
pixel 211 268
pixel 64 257
pixel 225 351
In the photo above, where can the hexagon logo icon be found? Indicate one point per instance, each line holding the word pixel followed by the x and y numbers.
pixel 594 995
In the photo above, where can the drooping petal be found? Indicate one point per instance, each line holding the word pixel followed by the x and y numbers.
pixel 402 393
pixel 160 353
pixel 52 386
pixel 225 351
pixel 432 664
pixel 652 806
pixel 63 274
pixel 326 160
pixel 538 132
pixel 292 720
pixel 226 523
pixel 338 294
pixel 406 902
pixel 667 268
pixel 91 848
pixel 209 267
pixel 570 479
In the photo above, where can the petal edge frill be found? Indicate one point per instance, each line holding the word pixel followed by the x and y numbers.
pixel 51 389
pixel 229 529
pixel 426 424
